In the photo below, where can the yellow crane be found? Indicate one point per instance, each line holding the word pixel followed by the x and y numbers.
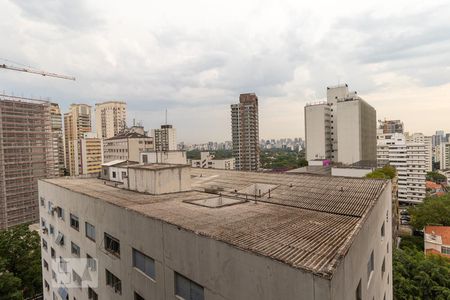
pixel 32 71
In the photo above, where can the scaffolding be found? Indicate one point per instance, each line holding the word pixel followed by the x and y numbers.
pixel 26 155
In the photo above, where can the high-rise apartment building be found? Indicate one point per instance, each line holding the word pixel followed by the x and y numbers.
pixel 165 138
pixel 245 132
pixel 409 159
pixel 444 152
pixel 110 118
pixel 391 126
pixel 88 155
pixel 172 232
pixel 26 155
pixel 420 138
pixel 77 122
pixel 126 146
pixel 342 129
pixel 57 139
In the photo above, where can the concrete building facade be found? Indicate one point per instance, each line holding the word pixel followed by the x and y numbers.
pixel 343 129
pixel 88 155
pixel 26 155
pixel 110 118
pixel 126 146
pixel 444 154
pixel 245 132
pixel 409 159
pixel 57 139
pixel 420 138
pixel 184 243
pixel 208 161
pixel 165 138
pixel 77 122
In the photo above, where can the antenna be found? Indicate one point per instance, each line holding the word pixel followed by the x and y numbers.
pixel 166 116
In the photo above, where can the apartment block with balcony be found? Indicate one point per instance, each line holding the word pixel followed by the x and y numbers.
pixel 110 118
pixel 172 232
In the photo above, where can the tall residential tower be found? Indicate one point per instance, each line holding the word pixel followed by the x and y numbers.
pixel 342 129
pixel 110 118
pixel 245 132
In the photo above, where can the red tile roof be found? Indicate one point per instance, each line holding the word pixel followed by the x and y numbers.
pixel 432 185
pixel 443 231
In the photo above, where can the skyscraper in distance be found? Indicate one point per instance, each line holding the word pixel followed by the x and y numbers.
pixel 110 118
pixel 245 132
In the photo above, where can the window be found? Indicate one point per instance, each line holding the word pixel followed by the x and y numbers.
pixel 62 264
pixel 42 201
pixel 54 276
pixel 52 229
pixel 370 266
pixel 359 291
pixel 112 245
pixel 75 249
pixel 90 231
pixel 187 289
pixel 113 174
pixel 445 250
pixel 92 295
pixel 74 223
pixel 50 208
pixel 44 244
pixel 387 247
pixel 45 264
pixel 138 297
pixel 47 286
pixel 383 267
pixel 91 263
pixel 76 278
pixel 124 174
pixel 113 282
pixel 144 263
pixel 52 252
pixel 382 231
pixel 144 158
pixel 60 239
pixel 60 212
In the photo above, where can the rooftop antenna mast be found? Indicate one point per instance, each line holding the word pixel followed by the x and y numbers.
pixel 166 116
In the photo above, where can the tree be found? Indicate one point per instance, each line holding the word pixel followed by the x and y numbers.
pixel 417 276
pixel 436 177
pixel 10 285
pixel 21 257
pixel 386 172
pixel 433 210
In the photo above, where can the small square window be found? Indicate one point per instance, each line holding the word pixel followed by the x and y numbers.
pixel 74 222
pixel 75 249
pixel 113 282
pixel 187 289
pixel 90 231
pixel 112 245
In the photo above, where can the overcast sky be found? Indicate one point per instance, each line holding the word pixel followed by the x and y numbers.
pixel 195 58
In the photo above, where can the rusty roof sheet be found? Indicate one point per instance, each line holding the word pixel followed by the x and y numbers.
pixel 308 222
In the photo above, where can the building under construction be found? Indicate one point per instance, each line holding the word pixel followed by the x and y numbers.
pixel 26 155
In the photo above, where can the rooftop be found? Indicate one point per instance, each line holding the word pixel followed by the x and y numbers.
pixel 305 221
pixel 158 166
pixel 440 231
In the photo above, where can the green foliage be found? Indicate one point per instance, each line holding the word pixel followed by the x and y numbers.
pixel 412 242
pixel 386 172
pixel 417 276
pixel 193 154
pixel 218 154
pixel 433 211
pixel 20 255
pixel 436 177
pixel 282 159
pixel 10 285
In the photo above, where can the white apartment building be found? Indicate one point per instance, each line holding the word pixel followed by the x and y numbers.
pixel 208 161
pixel 444 154
pixel 165 138
pixel 110 118
pixel 164 234
pixel 163 157
pixel 343 129
pixel 126 146
pixel 410 161
pixel 420 138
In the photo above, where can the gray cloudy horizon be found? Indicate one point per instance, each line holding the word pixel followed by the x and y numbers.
pixel 195 58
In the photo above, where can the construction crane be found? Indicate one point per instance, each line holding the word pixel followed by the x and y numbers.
pixel 43 73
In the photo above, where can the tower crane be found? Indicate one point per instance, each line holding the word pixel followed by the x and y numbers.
pixel 43 73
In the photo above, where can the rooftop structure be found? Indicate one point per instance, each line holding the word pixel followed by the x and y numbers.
pixel 126 146
pixel 326 234
pixel 437 240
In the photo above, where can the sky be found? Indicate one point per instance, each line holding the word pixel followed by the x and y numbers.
pixel 194 58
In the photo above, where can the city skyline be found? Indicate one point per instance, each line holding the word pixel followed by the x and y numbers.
pixel 136 57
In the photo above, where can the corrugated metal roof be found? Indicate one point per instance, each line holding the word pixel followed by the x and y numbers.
pixel 308 222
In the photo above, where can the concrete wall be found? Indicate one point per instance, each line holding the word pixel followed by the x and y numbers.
pixel 164 157
pixel 168 180
pixel 348 134
pixel 350 172
pixel 317 128
pixel 354 267
pixel 225 272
